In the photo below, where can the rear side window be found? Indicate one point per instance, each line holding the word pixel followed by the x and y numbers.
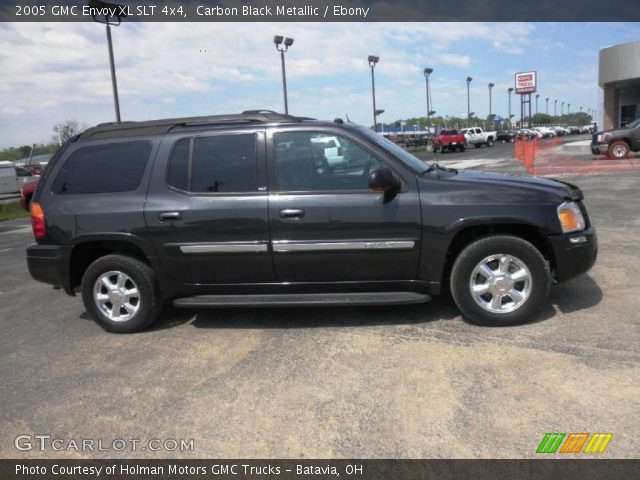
pixel 113 167
pixel 216 164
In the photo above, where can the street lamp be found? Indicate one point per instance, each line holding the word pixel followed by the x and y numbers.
pixel 468 101
pixel 372 63
pixel 109 20
pixel 282 45
pixel 547 106
pixel 428 71
pixel 509 90
pixel 491 85
pixel 537 97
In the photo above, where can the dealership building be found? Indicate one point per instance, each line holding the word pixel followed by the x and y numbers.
pixel 619 77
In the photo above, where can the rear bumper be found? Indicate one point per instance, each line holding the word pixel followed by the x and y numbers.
pixel 574 253
pixel 50 264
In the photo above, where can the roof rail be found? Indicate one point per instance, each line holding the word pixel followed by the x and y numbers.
pixel 130 129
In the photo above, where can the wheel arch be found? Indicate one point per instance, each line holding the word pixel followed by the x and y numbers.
pixel 471 233
pixel 89 249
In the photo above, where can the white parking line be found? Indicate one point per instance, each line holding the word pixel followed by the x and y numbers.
pixel 5 250
pixel 22 229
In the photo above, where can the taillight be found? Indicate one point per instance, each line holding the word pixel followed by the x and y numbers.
pixel 38 223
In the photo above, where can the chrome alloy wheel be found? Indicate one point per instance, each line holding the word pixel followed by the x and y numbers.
pixel 619 151
pixel 500 283
pixel 116 296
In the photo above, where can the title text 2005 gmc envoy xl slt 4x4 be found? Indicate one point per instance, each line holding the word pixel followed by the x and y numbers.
pixel 246 210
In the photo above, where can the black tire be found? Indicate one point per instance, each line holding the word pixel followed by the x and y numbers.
pixel 524 252
pixel 490 142
pixel 463 148
pixel 141 275
pixel 618 150
pixel 436 149
pixel 477 145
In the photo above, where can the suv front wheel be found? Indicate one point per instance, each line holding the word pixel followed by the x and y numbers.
pixel 618 150
pixel 121 293
pixel 500 280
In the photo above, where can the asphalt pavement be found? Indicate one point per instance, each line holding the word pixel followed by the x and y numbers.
pixel 385 382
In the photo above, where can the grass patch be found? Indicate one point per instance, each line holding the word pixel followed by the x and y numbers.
pixel 10 211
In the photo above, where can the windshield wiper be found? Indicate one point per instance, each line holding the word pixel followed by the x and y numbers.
pixel 436 166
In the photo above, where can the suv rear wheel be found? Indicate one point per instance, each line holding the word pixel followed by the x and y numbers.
pixel 500 280
pixel 121 293
pixel 618 150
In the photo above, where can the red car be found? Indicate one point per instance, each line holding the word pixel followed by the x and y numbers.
pixel 26 192
pixel 449 139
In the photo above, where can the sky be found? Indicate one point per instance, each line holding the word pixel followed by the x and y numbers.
pixel 52 72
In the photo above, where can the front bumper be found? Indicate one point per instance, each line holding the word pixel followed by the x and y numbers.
pixel 575 253
pixel 50 264
pixel 599 148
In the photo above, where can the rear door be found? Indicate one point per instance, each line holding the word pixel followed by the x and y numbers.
pixel 206 209
pixel 327 225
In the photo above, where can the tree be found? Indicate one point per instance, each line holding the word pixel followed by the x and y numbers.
pixel 541 119
pixel 67 129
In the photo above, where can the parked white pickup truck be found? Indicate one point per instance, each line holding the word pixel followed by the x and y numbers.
pixel 476 136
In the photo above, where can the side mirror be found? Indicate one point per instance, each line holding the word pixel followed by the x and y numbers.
pixel 383 180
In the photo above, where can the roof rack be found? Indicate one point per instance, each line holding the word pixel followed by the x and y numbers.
pixel 157 127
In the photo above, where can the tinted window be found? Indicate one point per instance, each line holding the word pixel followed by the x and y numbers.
pixel 222 163
pixel 312 161
pixel 114 167
pixel 178 174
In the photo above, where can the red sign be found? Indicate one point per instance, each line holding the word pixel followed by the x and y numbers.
pixel 526 82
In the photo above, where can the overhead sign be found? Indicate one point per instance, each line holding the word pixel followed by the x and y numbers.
pixel 525 82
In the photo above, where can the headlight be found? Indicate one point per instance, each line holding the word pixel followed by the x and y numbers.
pixel 570 216
pixel 601 138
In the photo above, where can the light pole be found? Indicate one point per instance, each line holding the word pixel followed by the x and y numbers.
pixel 468 100
pixel 109 20
pixel 491 85
pixel 372 63
pixel 537 97
pixel 568 108
pixel 282 45
pixel 428 71
pixel 546 110
pixel 509 90
pixel 562 109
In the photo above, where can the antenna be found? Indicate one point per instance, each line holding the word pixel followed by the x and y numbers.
pixel 347 116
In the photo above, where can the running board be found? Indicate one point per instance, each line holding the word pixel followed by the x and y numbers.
pixel 303 299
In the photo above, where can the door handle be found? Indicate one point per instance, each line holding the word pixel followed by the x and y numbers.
pixel 165 216
pixel 291 213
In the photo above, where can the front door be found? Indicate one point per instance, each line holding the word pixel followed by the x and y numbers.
pixel 327 225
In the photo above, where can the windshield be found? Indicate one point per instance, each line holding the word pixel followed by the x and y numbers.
pixel 634 124
pixel 399 152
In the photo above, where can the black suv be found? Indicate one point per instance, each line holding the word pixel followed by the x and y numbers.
pixel 617 142
pixel 261 209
